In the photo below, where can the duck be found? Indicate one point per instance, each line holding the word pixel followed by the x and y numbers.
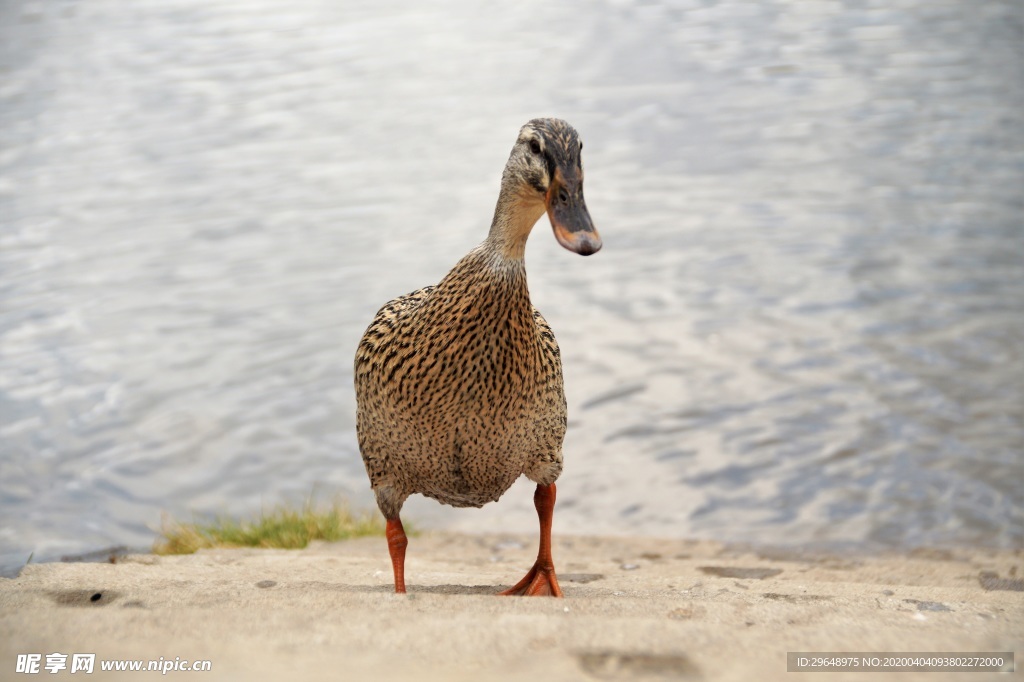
pixel 459 387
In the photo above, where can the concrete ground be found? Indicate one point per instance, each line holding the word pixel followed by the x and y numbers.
pixel 633 609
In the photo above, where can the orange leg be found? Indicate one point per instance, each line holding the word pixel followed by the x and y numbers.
pixel 541 580
pixel 397 542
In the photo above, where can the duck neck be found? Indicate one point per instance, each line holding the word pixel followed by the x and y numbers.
pixel 518 210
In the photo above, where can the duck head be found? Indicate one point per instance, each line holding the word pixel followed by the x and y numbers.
pixel 545 173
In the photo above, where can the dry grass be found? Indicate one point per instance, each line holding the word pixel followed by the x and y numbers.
pixel 283 527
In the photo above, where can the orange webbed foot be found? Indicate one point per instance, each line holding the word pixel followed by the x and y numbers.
pixel 541 581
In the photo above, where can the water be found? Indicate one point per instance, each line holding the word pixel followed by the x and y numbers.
pixel 805 325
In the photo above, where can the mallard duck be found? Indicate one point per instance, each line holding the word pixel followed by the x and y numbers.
pixel 459 385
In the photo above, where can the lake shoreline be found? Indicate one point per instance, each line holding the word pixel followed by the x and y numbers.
pixel 633 608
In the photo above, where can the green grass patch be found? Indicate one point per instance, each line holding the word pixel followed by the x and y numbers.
pixel 283 528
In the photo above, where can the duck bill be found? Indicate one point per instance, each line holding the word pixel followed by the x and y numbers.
pixel 572 224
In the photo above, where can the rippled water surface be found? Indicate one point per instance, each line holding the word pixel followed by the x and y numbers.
pixel 805 326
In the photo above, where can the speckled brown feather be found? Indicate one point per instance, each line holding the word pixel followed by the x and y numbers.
pixel 459 385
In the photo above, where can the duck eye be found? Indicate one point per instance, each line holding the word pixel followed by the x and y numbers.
pixel 535 146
